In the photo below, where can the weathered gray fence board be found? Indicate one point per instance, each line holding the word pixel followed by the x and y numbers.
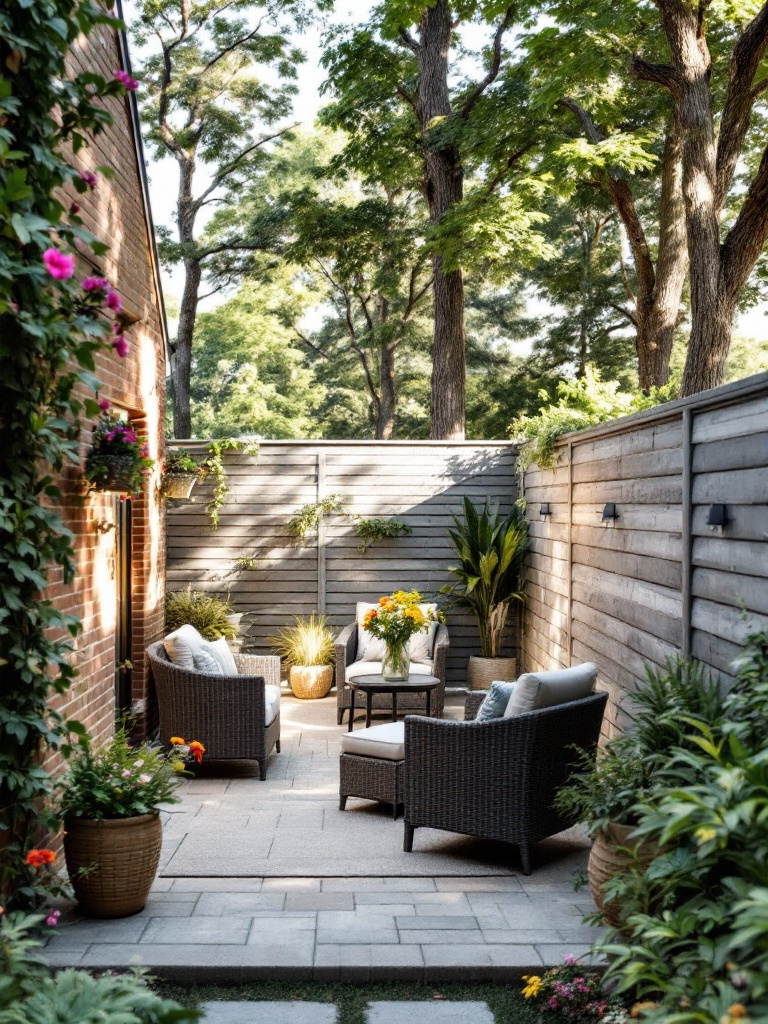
pixel 732 589
pixel 653 570
pixel 753 451
pixel 745 522
pixel 628 467
pixel 733 420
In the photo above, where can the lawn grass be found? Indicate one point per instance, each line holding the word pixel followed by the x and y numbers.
pixel 505 1000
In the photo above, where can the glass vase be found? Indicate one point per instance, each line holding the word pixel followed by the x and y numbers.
pixel 397 662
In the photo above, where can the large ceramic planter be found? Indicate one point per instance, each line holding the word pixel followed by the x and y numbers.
pixel 178 485
pixel 612 854
pixel 118 858
pixel 481 672
pixel 112 473
pixel 310 682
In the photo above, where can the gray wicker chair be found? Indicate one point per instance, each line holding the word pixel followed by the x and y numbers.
pixel 496 779
pixel 226 713
pixel 346 652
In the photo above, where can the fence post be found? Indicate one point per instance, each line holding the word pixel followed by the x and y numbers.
pixel 320 535
pixel 570 553
pixel 686 553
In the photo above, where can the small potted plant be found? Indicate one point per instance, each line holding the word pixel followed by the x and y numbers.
pixel 118 456
pixel 210 615
pixel 307 647
pixel 491 549
pixel 180 473
pixel 109 800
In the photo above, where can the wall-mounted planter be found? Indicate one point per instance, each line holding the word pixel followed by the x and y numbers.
pixel 114 474
pixel 178 485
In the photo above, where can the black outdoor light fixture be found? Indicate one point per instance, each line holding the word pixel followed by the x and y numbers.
pixel 717 517
pixel 545 510
pixel 609 513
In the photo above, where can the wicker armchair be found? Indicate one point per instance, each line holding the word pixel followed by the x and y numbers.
pixel 496 779
pixel 226 713
pixel 346 652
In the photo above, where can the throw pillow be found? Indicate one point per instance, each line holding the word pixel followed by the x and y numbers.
pixel 422 643
pixel 363 636
pixel 536 690
pixel 181 645
pixel 495 703
pixel 206 660
pixel 220 650
pixel 375 650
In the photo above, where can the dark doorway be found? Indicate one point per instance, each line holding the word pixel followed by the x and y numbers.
pixel 123 581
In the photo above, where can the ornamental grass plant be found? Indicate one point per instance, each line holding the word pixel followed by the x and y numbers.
pixel 206 612
pixel 309 641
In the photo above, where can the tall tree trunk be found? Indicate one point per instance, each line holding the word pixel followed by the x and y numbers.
pixel 385 421
pixel 187 210
pixel 443 188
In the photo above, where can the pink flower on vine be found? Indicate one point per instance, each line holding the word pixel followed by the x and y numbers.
pixel 125 80
pixel 53 918
pixel 89 178
pixel 129 436
pixel 120 345
pixel 60 265
pixel 105 404
pixel 95 284
pixel 114 302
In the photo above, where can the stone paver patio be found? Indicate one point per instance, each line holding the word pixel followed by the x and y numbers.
pixel 213 921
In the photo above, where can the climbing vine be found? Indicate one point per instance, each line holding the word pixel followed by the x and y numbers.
pixel 213 466
pixel 51 327
pixel 305 519
pixel 371 530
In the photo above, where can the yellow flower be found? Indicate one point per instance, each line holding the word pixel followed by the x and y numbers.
pixel 533 986
pixel 639 1008
pixel 177 741
pixel 705 834
pixel 735 1012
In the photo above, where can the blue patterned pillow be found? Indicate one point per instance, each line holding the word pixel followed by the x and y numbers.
pixel 495 704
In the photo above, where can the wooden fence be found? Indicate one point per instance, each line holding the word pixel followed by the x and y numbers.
pixel 658 580
pixel 419 483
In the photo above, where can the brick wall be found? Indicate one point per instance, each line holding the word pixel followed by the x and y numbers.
pixel 114 211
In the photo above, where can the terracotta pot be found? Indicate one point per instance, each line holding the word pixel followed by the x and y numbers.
pixel 119 857
pixel 610 855
pixel 482 671
pixel 178 485
pixel 309 682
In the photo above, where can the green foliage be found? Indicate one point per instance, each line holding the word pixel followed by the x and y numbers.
pixel 119 780
pixel 213 465
pixel 306 642
pixel 30 994
pixel 628 766
pixel 206 612
pixel 371 530
pixel 179 461
pixel 50 332
pixel 492 548
pixel 694 928
pixel 306 519
pixel 581 403
pixel 572 992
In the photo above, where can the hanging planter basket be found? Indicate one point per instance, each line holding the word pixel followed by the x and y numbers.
pixel 178 485
pixel 112 473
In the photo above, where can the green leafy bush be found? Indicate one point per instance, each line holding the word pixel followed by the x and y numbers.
pixel 306 642
pixel 206 612
pixel 694 932
pixel 581 403
pixel 29 994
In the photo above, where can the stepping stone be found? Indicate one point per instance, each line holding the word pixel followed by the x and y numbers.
pixel 278 1012
pixel 434 1012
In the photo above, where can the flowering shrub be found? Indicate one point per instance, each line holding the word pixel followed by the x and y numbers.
pixel 571 992
pixel 120 781
pixel 397 618
pixel 116 447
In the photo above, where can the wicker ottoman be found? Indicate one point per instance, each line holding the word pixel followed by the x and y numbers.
pixel 371 765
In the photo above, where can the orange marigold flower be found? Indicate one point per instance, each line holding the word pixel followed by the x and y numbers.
pixel 177 741
pixel 197 750
pixel 369 617
pixel 737 1010
pixel 638 1008
pixel 37 858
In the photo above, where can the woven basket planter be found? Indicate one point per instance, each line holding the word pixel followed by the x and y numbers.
pixel 482 671
pixel 112 473
pixel 120 856
pixel 610 855
pixel 309 682
pixel 178 485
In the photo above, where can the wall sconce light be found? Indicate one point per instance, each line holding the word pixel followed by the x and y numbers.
pixel 717 518
pixel 545 510
pixel 610 515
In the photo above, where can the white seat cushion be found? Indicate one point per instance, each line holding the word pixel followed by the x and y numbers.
pixel 271 704
pixel 373 668
pixel 384 741
pixel 536 690
pixel 188 649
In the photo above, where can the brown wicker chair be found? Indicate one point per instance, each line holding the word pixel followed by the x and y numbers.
pixel 496 779
pixel 346 652
pixel 226 713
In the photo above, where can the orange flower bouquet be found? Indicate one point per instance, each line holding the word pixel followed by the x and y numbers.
pixel 395 621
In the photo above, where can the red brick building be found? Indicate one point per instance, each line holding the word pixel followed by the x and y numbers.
pixel 119 586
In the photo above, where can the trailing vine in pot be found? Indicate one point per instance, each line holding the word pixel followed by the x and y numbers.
pixel 180 472
pixel 119 455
